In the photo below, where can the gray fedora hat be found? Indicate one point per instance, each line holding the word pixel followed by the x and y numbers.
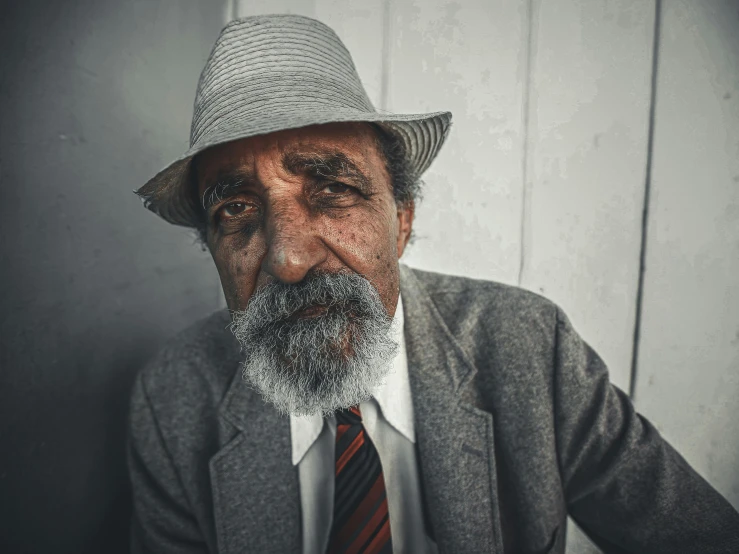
pixel 274 72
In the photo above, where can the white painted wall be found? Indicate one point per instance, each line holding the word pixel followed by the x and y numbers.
pixel 542 181
pixel 591 64
pixel 468 58
pixel 688 366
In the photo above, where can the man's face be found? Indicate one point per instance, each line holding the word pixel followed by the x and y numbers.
pixel 313 199
pixel 306 235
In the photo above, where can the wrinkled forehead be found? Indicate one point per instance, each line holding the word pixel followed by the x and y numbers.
pixel 357 143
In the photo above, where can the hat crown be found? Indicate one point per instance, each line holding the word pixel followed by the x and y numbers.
pixel 268 66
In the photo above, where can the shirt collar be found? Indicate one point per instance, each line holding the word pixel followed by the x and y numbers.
pixel 393 397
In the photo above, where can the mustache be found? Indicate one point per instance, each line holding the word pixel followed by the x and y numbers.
pixel 347 293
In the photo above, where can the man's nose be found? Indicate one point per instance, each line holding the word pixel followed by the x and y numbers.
pixel 294 246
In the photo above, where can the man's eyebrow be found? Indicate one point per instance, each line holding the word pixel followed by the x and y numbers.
pixel 225 185
pixel 327 164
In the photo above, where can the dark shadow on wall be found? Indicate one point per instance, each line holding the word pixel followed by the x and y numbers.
pixel 95 97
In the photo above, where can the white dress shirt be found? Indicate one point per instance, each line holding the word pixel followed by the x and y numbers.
pixel 388 420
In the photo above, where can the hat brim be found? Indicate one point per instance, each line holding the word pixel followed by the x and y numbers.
pixel 170 195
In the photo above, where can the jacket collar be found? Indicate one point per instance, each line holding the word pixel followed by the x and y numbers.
pixel 256 500
pixel 454 437
pixel 255 485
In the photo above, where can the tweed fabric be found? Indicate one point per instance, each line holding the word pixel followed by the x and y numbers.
pixel 273 72
pixel 516 426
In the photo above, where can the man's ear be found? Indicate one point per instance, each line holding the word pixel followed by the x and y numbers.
pixel 406 211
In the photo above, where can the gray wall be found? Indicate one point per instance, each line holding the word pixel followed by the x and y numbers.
pixel 95 97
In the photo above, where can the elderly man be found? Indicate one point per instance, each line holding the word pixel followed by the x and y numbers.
pixel 345 402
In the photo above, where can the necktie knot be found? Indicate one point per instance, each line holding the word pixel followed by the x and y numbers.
pixel 349 416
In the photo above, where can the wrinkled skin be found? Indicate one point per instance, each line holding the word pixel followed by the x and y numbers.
pixel 282 221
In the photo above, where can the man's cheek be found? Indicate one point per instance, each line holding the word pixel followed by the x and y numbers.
pixel 230 287
pixel 238 275
pixel 373 246
pixel 368 238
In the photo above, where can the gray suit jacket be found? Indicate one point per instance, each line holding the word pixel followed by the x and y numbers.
pixel 516 422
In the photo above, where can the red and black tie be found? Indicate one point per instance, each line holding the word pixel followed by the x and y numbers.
pixel 361 522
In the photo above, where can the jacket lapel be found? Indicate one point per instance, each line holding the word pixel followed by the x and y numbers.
pixel 455 439
pixel 256 498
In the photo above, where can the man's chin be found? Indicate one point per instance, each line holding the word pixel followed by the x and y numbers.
pixel 314 384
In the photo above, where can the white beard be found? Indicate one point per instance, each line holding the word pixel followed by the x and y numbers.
pixel 320 364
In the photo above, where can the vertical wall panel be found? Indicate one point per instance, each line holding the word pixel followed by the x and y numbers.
pixel 243 8
pixel 588 127
pixel 466 57
pixel 688 365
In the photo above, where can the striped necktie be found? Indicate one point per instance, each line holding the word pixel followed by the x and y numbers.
pixel 361 522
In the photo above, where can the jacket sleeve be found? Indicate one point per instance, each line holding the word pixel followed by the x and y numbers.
pixel 627 488
pixel 162 520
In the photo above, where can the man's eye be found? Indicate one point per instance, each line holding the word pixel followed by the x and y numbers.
pixel 233 209
pixel 337 188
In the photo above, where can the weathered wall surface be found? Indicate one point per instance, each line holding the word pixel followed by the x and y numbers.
pixel 688 366
pixel 95 97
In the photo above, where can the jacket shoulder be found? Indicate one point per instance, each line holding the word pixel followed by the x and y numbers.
pixel 193 369
pixel 506 331
pixel 465 296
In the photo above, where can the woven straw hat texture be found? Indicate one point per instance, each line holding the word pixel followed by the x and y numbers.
pixel 274 72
